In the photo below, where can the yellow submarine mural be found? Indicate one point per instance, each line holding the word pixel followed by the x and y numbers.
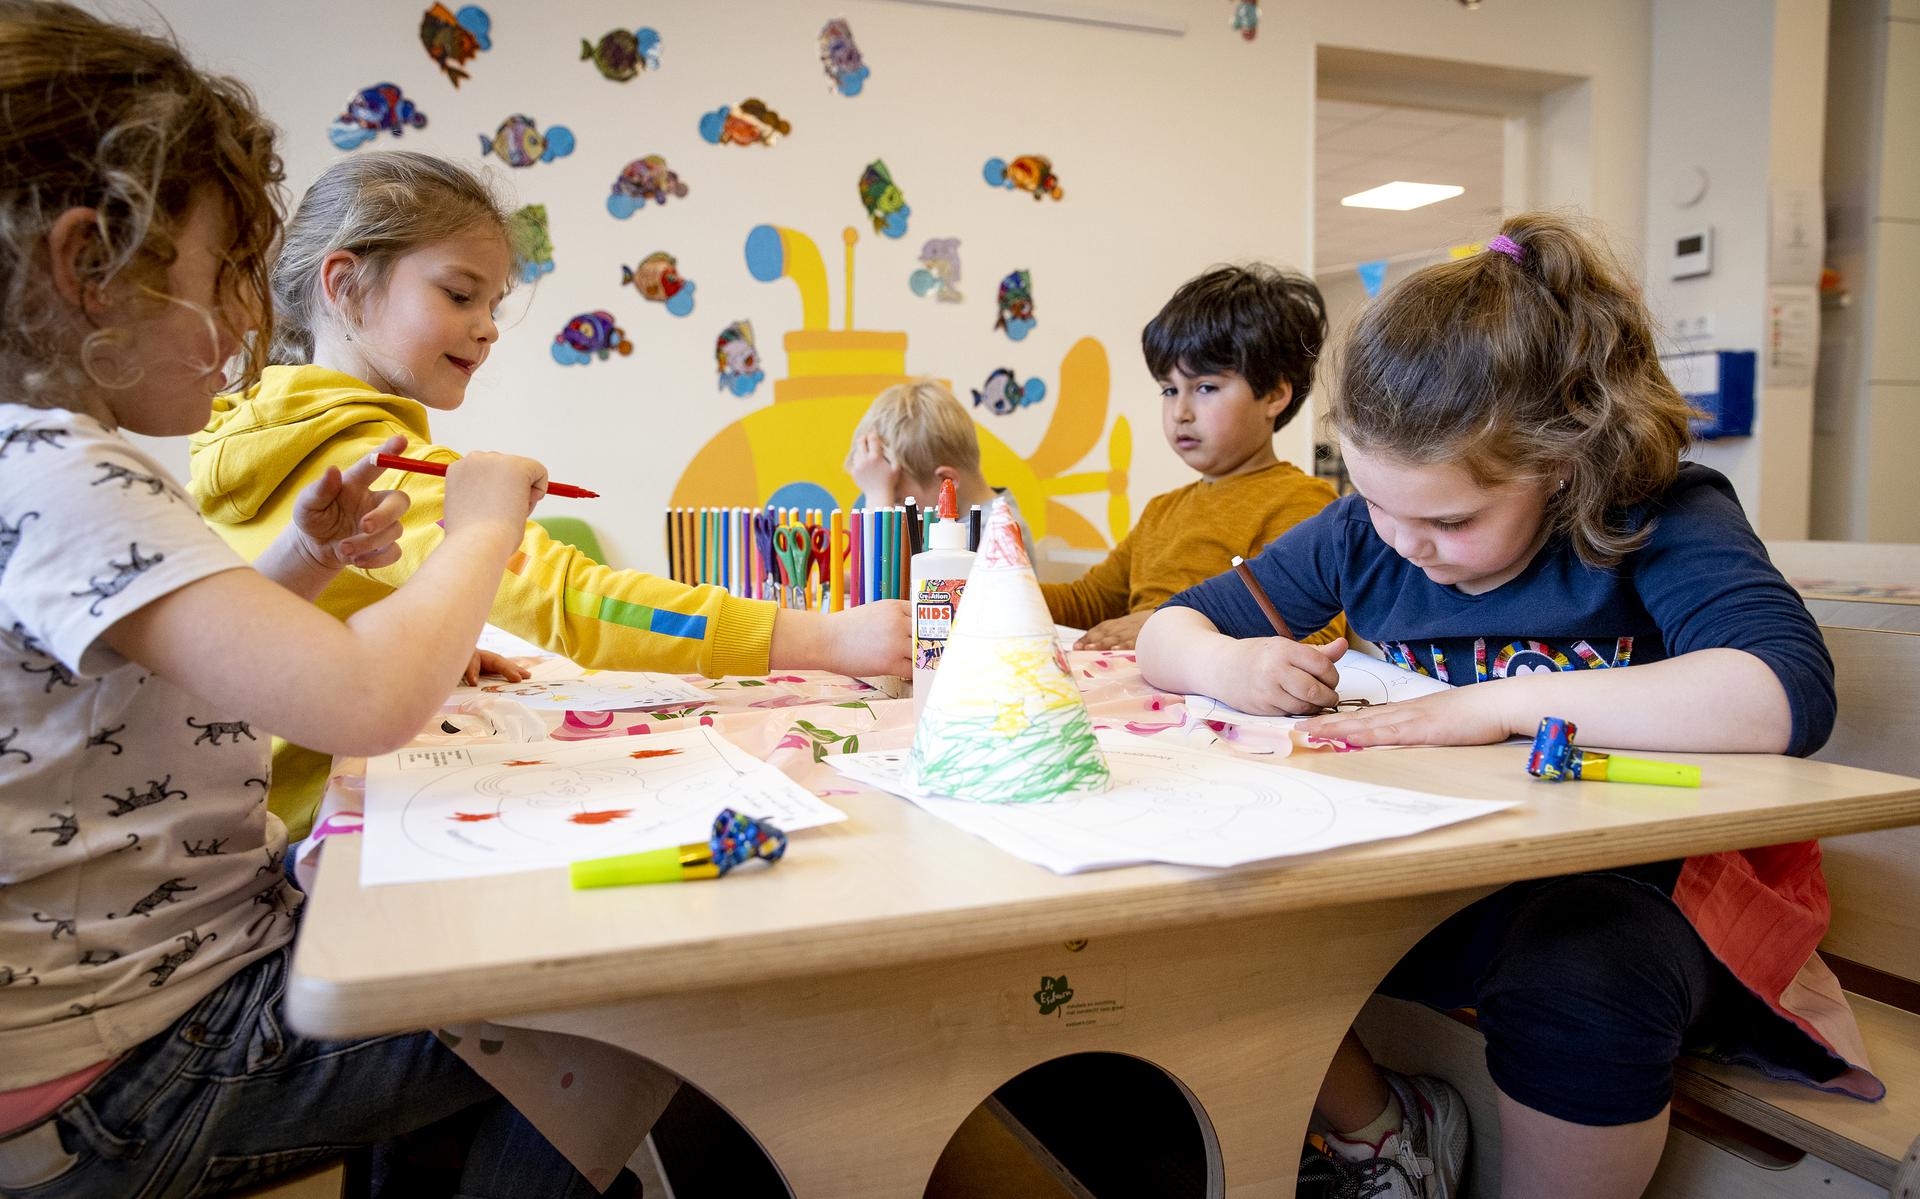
pixel 792 451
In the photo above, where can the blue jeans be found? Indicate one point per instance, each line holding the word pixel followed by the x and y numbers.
pixel 228 1097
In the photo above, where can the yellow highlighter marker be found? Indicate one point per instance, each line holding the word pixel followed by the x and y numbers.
pixel 736 839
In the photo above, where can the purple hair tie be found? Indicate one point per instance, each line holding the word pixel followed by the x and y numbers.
pixel 1506 245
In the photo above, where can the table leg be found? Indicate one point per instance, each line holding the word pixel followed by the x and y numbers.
pixel 854 1083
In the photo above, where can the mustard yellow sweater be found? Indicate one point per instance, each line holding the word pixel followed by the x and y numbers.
pixel 264 445
pixel 1189 534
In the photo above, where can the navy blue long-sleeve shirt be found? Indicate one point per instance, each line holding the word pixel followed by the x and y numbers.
pixel 1702 581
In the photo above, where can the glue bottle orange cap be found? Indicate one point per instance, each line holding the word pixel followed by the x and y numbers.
pixel 949 500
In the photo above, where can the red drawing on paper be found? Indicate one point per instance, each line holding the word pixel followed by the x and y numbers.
pixel 603 817
pixel 472 817
pixel 525 762
pixel 643 754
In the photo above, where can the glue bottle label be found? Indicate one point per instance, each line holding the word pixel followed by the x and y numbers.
pixel 933 610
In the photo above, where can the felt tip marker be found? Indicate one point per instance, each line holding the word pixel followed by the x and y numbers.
pixel 418 467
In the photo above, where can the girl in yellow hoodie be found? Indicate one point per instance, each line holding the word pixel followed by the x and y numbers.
pixel 384 294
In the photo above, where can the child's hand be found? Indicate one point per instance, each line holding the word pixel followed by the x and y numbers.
pixel 1458 716
pixel 1285 677
pixel 873 638
pixel 877 478
pixel 342 523
pixel 1119 633
pixel 486 488
pixel 488 662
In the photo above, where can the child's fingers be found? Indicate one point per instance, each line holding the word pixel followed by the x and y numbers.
pixel 387 513
pixel 375 559
pixel 322 490
pixel 1308 660
pixel 1333 649
pixel 1307 688
pixel 365 545
pixel 364 470
pixel 506 668
pixel 1376 726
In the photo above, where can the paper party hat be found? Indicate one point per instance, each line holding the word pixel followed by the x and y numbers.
pixel 1005 722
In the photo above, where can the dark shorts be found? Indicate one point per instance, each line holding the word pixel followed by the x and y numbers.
pixel 1588 987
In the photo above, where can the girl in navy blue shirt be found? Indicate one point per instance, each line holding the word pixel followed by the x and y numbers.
pixel 1521 516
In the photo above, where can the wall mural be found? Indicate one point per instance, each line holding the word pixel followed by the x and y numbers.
pixel 790 452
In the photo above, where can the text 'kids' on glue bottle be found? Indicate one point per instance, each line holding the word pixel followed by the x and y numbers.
pixel 938 575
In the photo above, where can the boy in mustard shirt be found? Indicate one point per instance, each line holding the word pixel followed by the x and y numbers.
pixel 1234 352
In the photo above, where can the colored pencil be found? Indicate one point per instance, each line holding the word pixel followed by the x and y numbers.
pixel 1245 572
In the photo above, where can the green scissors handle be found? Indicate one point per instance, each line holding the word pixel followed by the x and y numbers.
pixel 794 548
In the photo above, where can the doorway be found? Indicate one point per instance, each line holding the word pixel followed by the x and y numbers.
pixel 1496 141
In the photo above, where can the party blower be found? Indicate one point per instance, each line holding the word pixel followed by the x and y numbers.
pixel 1555 757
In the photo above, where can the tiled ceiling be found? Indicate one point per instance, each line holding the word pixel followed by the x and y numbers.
pixel 1358 146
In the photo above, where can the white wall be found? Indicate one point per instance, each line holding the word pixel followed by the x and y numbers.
pixel 1175 152
pixel 1738 91
pixel 1868 413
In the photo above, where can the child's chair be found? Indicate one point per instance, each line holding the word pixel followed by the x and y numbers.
pixel 571 530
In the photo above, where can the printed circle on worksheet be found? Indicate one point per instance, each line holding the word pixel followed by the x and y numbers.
pixel 488 812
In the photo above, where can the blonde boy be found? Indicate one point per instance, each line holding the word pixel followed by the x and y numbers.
pixel 915 436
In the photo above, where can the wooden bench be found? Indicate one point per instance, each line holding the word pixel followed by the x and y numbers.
pixel 1873 942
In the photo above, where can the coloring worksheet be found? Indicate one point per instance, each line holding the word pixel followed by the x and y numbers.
pixel 465 811
pixel 1189 807
pixel 1361 678
pixel 556 684
pixel 497 640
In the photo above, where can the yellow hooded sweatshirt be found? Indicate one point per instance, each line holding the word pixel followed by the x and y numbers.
pixel 266 444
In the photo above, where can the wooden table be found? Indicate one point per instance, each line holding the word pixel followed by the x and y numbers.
pixel 853 1005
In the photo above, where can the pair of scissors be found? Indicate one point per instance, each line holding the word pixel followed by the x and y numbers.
pixel 793 546
pixel 763 537
pixel 821 541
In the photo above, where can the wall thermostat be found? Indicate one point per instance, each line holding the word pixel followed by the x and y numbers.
pixel 1693 254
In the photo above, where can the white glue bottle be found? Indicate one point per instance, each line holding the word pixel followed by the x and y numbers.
pixel 937 576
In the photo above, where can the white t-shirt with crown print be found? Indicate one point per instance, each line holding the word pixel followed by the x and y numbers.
pixel 139 866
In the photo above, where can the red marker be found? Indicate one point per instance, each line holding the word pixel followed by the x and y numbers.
pixel 418 467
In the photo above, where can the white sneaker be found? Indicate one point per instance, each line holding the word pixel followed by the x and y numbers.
pixel 1431 1145
pixel 1423 1158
